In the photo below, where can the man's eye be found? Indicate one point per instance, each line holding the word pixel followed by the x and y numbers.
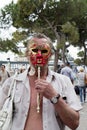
pixel 44 51
pixel 35 50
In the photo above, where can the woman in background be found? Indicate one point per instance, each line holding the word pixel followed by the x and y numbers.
pixel 81 84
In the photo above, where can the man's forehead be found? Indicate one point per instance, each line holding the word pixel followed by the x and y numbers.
pixel 39 42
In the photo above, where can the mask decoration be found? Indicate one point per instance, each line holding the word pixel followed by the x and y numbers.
pixel 39 53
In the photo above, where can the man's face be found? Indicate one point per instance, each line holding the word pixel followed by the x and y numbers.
pixel 39 52
pixel 2 67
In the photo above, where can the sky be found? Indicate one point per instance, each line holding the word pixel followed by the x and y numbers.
pixel 5 2
pixel 7 33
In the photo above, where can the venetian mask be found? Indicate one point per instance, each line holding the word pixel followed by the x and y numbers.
pixel 39 53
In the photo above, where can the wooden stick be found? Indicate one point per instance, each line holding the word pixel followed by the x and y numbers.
pixel 38 95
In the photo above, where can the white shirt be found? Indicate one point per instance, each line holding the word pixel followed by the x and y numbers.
pixel 61 83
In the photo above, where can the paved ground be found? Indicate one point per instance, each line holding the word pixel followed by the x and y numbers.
pixel 83 118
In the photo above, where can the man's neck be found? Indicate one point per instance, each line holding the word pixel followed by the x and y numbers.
pixel 43 72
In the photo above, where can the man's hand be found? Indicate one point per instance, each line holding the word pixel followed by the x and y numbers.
pixel 45 88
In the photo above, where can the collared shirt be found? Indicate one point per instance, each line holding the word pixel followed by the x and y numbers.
pixel 61 83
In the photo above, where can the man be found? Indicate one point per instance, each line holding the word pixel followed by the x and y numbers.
pixel 68 72
pixel 39 92
pixel 4 74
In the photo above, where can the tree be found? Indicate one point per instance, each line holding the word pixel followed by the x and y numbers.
pixel 81 22
pixel 52 18
pixel 6 45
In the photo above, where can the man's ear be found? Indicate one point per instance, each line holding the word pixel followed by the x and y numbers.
pixel 51 54
pixel 26 52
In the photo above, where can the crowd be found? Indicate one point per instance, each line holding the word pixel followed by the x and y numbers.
pixel 78 77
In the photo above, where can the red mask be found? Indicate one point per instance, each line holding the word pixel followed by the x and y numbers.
pixel 39 53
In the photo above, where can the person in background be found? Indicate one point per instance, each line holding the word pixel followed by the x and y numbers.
pixel 40 92
pixel 81 84
pixel 68 72
pixel 4 74
pixel 60 67
pixel 22 69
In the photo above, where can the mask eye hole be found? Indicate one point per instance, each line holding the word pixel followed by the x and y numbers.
pixel 44 51
pixel 35 50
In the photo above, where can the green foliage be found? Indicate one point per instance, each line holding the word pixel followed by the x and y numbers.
pixel 19 36
pixel 78 61
pixel 6 45
pixel 71 32
pixel 80 54
pixel 57 19
pixel 33 15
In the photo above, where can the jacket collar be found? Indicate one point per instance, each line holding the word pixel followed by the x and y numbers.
pixel 24 76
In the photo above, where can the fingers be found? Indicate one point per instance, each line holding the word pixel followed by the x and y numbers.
pixel 45 88
pixel 41 85
pixel 41 82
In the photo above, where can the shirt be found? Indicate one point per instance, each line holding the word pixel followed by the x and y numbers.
pixel 61 83
pixel 68 72
pixel 81 79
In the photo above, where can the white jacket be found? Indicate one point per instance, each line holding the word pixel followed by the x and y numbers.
pixel 61 83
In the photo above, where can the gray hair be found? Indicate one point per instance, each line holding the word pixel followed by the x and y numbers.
pixel 40 35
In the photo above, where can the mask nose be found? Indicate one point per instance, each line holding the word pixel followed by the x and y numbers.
pixel 39 53
pixel 39 58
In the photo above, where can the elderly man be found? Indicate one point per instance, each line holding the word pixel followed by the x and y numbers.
pixel 40 93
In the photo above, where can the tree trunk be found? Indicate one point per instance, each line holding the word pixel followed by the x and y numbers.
pixel 56 60
pixel 85 56
pixel 63 54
